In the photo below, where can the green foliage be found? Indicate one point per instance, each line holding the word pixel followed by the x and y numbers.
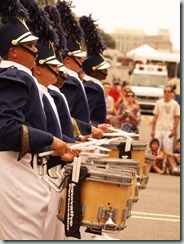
pixel 108 39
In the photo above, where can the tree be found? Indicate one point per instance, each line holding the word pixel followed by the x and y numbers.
pixel 108 39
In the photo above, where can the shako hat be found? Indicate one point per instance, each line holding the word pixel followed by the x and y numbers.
pixel 42 26
pixel 60 46
pixel 94 45
pixel 72 30
pixel 13 29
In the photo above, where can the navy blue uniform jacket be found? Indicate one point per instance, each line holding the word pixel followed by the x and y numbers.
pixel 96 101
pixel 77 101
pixel 20 104
pixel 64 116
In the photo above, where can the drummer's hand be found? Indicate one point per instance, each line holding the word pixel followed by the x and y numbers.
pixel 59 146
pixel 85 138
pixel 96 132
pixel 103 127
pixel 69 156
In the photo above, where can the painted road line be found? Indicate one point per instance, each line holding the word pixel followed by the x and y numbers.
pixel 155 214
pixel 150 218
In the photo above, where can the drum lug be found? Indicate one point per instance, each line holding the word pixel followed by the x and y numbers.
pixel 145 182
pixel 110 215
pixel 83 209
pixel 125 214
pixel 135 199
pixel 144 169
pixel 129 205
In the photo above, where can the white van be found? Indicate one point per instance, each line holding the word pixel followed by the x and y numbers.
pixel 148 81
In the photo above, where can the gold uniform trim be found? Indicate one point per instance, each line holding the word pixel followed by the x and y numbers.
pixel 25 144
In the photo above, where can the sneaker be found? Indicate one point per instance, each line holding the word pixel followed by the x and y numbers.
pixel 175 171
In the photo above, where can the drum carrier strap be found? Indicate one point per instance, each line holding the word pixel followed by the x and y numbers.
pixel 122 151
pixel 73 211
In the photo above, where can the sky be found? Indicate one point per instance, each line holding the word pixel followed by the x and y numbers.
pixel 146 15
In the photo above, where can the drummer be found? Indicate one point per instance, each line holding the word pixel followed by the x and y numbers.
pixel 23 131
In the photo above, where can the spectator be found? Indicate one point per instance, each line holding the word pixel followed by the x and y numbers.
pixel 173 159
pixel 165 121
pixel 123 88
pixel 154 149
pixel 115 91
pixel 129 114
pixel 108 100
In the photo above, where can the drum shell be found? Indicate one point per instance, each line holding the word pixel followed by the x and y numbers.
pixel 98 194
pixel 138 149
pixel 122 164
pixel 101 192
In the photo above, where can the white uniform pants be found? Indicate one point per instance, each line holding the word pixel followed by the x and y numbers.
pixel 24 199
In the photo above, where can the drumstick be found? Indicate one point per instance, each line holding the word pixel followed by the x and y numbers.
pixel 102 148
pixel 127 145
pixel 124 132
pixel 95 154
pixel 74 169
pixel 91 143
pixel 43 154
pixel 117 134
pixel 78 170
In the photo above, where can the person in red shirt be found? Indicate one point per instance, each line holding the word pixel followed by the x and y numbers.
pixel 115 90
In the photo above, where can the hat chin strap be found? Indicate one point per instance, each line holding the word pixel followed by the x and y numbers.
pixel 62 75
pixel 101 72
pixel 34 54
pixel 76 61
pixel 51 70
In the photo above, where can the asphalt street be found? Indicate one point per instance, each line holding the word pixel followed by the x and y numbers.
pixel 156 215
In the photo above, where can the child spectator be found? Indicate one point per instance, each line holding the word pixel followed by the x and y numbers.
pixel 154 149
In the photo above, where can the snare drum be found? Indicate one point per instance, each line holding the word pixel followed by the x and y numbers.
pixel 122 164
pixel 104 198
pixel 137 152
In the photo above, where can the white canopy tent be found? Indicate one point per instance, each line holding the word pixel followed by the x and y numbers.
pixel 145 52
pixel 141 52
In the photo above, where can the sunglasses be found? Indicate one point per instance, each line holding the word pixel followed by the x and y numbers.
pixel 166 91
pixel 130 96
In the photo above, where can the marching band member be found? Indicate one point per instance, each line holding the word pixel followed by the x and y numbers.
pixel 46 73
pixel 73 88
pixel 95 70
pixel 23 130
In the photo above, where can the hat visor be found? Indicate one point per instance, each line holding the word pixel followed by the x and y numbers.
pixel 79 54
pixel 104 66
pixel 53 61
pixel 30 38
pixel 62 68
